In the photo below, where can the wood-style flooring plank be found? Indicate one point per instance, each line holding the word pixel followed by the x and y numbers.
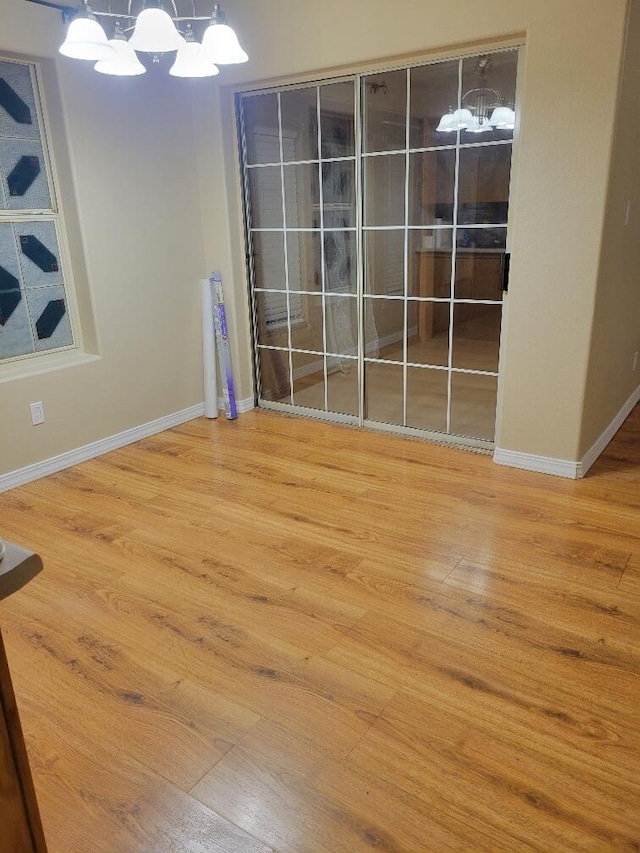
pixel 507 784
pixel 99 799
pixel 254 670
pixel 271 776
pixel 598 615
pixel 492 681
pixel 169 722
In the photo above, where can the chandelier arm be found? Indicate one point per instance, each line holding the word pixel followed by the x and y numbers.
pixel 483 90
pixel 482 93
pixel 68 12
pixel 133 17
pixel 59 6
pixel 114 15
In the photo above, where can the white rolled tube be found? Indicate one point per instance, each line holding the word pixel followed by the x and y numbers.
pixel 208 352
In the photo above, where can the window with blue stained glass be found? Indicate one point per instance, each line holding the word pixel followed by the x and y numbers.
pixel 34 315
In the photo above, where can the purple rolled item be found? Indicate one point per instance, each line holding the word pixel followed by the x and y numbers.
pixel 222 341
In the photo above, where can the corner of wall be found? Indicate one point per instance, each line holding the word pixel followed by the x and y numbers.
pixel 611 376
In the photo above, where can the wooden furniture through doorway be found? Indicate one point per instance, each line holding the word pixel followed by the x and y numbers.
pixel 477 271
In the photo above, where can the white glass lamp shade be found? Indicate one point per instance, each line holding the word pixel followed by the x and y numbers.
pixel 155 32
pixel 504 118
pixel 125 63
pixel 220 45
pixel 480 125
pixel 190 62
pixel 463 119
pixel 447 124
pixel 86 40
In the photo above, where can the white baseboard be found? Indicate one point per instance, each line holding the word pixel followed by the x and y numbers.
pixel 97 448
pixel 309 369
pixel 241 405
pixel 393 338
pixel 562 467
pixel 599 445
pixel 318 365
pixel 539 464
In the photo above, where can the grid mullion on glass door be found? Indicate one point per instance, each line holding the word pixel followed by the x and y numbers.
pixel 405 289
pixel 286 248
pixel 360 192
pixel 322 254
pixel 250 258
pixel 454 257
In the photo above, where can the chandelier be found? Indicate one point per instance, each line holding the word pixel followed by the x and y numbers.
pixel 481 110
pixel 153 32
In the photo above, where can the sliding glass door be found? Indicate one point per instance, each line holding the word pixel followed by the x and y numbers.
pixel 300 180
pixel 376 242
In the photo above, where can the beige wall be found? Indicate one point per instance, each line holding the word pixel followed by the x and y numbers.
pixel 131 147
pixel 568 82
pixel 138 170
pixel 616 328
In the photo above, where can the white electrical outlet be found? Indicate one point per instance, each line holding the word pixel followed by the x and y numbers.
pixel 37 413
pixel 635 361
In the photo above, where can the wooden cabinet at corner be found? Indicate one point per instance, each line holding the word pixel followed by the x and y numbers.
pixel 478 271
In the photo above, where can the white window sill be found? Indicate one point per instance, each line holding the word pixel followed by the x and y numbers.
pixel 44 364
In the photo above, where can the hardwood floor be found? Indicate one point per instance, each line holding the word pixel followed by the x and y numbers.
pixel 280 635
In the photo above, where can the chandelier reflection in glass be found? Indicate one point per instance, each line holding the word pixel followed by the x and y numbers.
pixel 481 110
pixel 153 32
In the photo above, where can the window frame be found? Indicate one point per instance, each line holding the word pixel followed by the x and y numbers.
pixel 53 214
